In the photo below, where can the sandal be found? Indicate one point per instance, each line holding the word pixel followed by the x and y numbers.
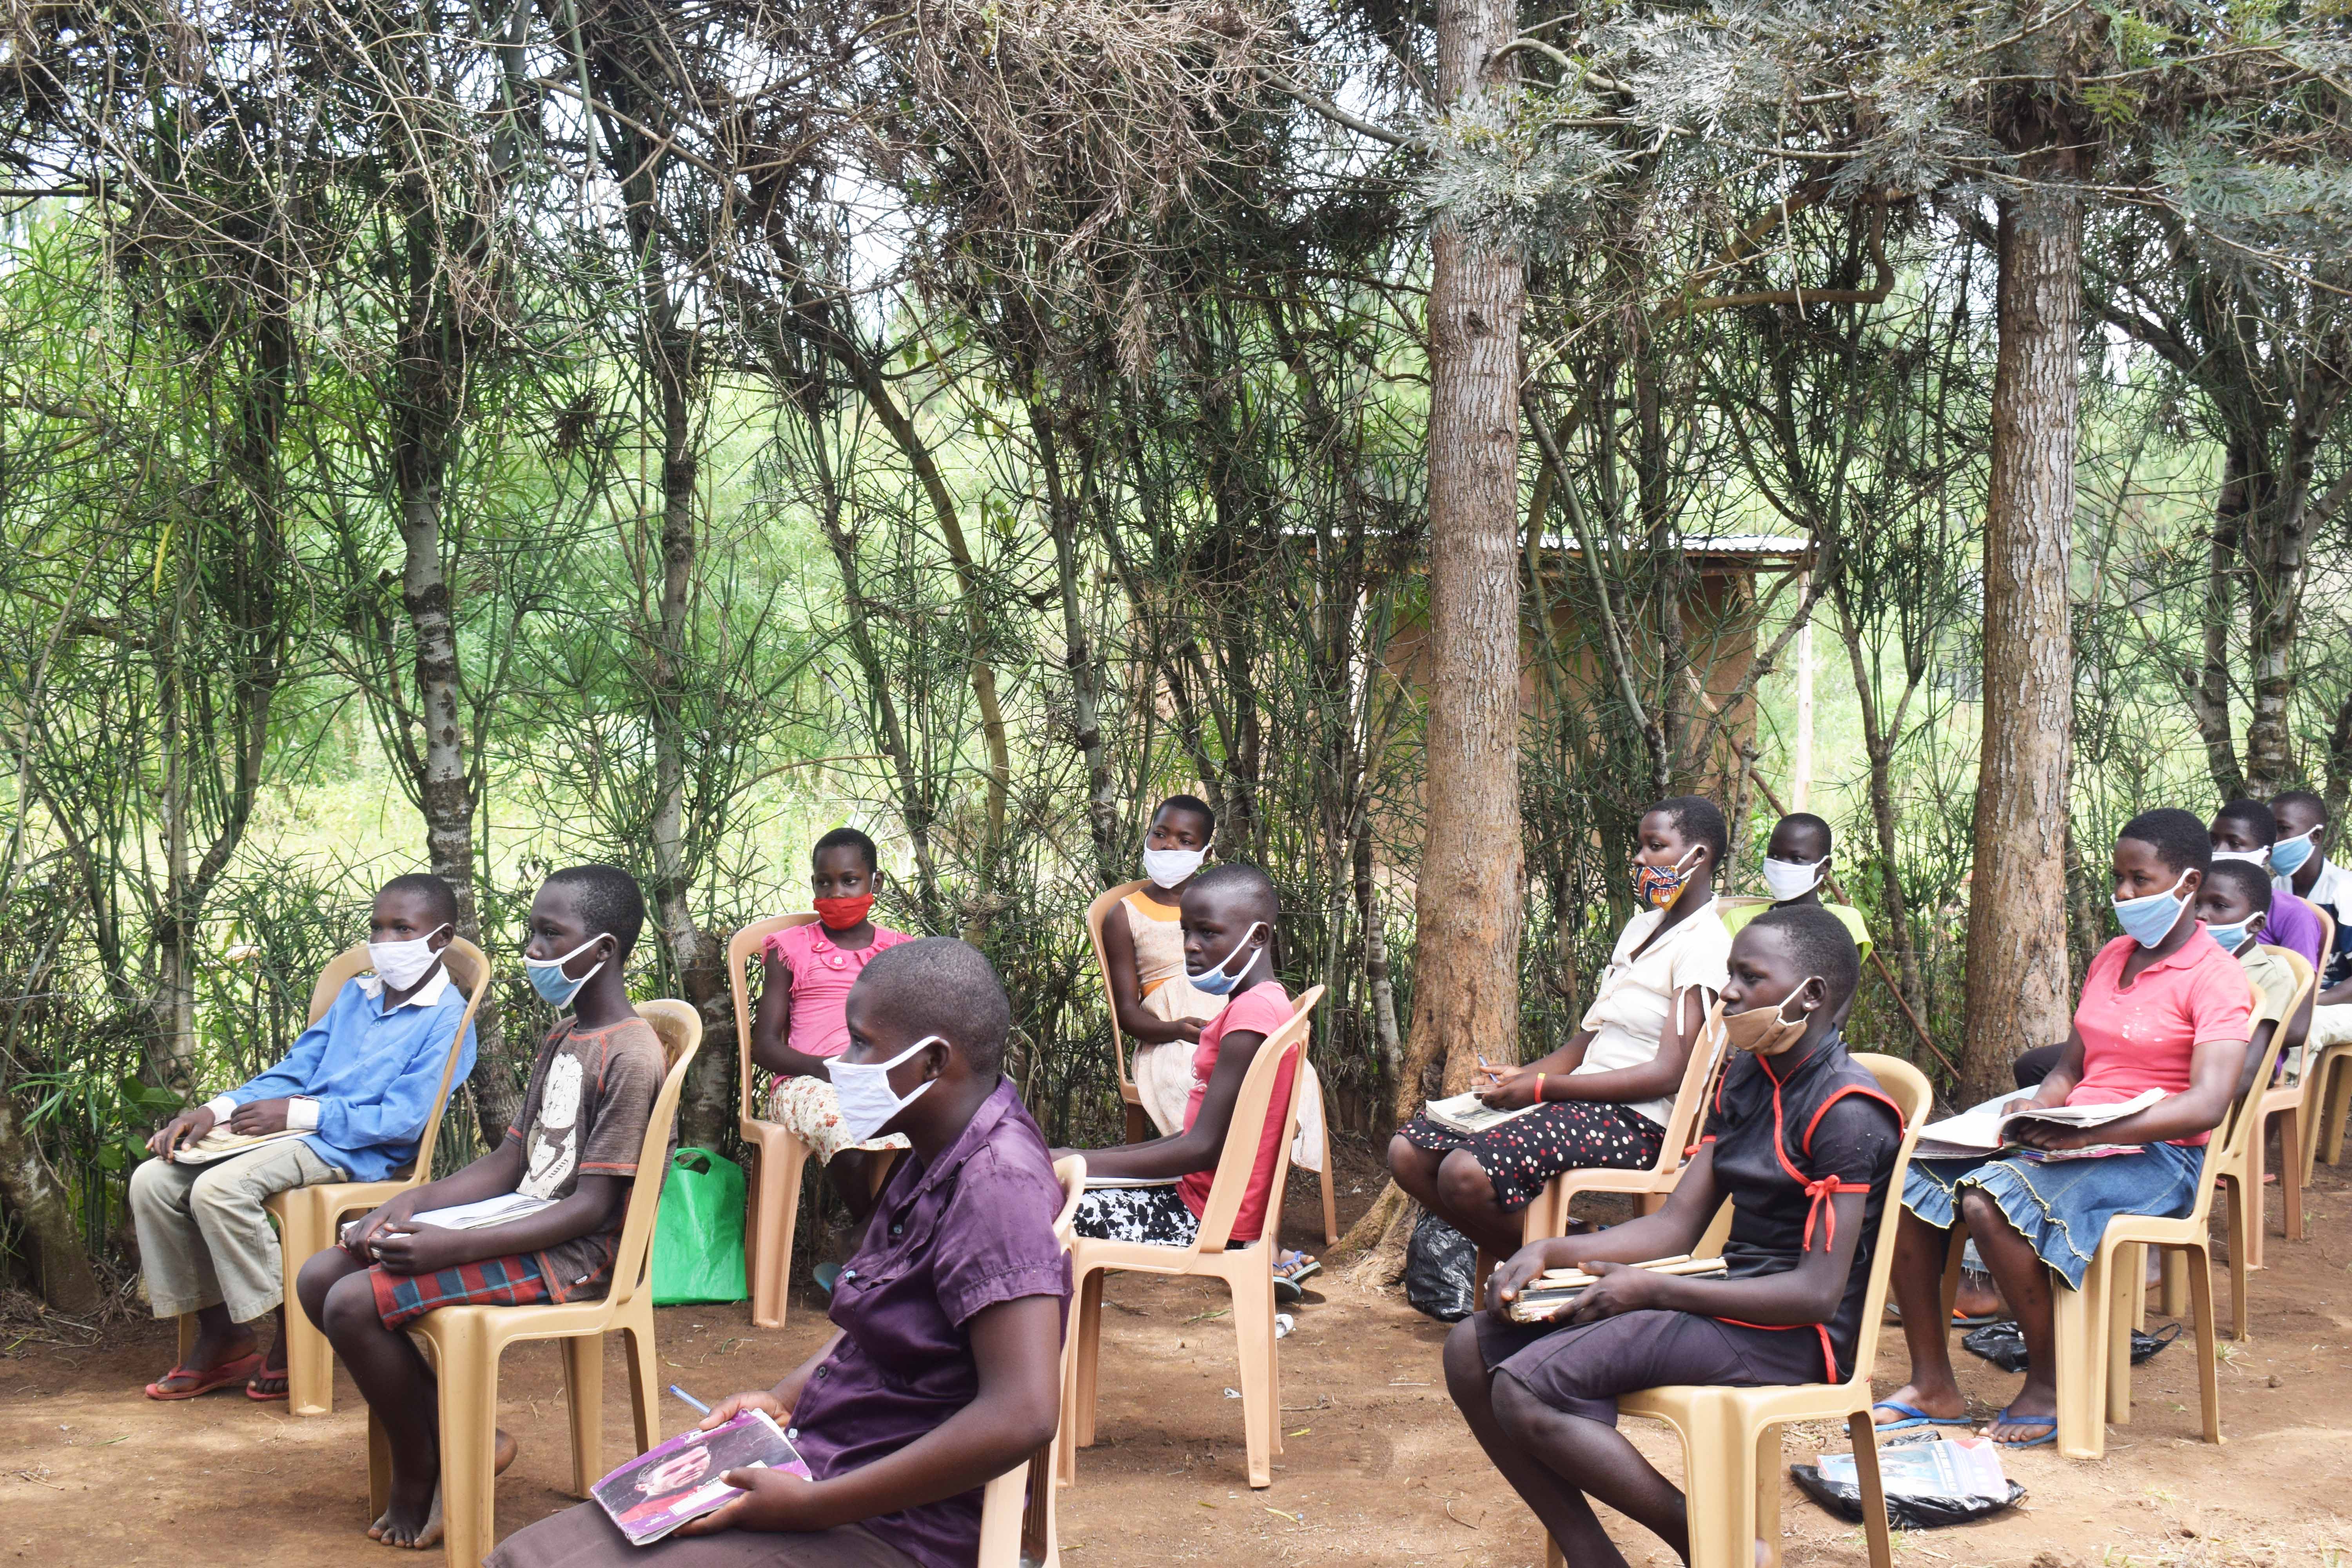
pixel 254 1389
pixel 2048 1435
pixel 1915 1417
pixel 209 1378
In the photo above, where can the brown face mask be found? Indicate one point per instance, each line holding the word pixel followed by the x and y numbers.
pixel 1761 1031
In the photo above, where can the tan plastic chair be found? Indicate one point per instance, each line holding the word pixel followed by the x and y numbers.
pixel 308 1216
pixel 1247 1270
pixel 1138 1124
pixel 1018 1528
pixel 2245 1195
pixel 1731 1438
pixel 778 1159
pixel 2326 1079
pixel 465 1342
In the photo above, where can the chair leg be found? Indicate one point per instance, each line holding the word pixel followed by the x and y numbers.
pixel 2081 1359
pixel 1330 1198
pixel 310 1359
pixel 645 1376
pixel 583 1393
pixel 2290 1125
pixel 2126 1277
pixel 379 1468
pixel 2176 1293
pixel 1721 1508
pixel 1254 1328
pixel 2208 1357
pixel 1865 1432
pixel 1138 1126
pixel 1766 1442
pixel 469 1417
pixel 2257 1205
pixel 2245 1217
pixel 2339 1101
pixel 775 1218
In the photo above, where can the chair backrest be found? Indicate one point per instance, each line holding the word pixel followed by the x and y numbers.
pixel 1099 912
pixel 461 958
pixel 745 945
pixel 679 1028
pixel 2295 1024
pixel 1909 1088
pixel 1708 1057
pixel 1246 1132
pixel 2225 1149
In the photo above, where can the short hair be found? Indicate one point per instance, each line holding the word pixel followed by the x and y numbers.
pixel 939 985
pixel 2247 878
pixel 1698 819
pixel 2302 797
pixel 2253 816
pixel 1806 822
pixel 609 901
pixel 1820 944
pixel 437 893
pixel 2181 841
pixel 848 838
pixel 1238 878
pixel 1194 804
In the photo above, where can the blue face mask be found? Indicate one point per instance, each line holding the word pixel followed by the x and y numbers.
pixel 2150 920
pixel 547 977
pixel 2232 936
pixel 2288 855
pixel 1216 982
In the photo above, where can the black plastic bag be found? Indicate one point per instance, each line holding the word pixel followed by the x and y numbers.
pixel 2003 1344
pixel 1441 1265
pixel 1902 1512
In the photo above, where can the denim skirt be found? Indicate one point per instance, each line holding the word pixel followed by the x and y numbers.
pixel 2062 1206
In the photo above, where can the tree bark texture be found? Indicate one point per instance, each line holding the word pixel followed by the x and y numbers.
pixel 2019 993
pixel 1467 902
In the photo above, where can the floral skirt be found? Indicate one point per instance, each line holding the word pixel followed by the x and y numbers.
pixel 1154 1216
pixel 809 1110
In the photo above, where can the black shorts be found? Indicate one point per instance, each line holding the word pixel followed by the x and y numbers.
pixel 1582 1369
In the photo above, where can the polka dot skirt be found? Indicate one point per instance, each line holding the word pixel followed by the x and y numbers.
pixel 1527 1151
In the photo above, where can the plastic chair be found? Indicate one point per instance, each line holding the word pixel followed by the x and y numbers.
pixel 1018 1528
pixel 2247 1220
pixel 778 1158
pixel 1731 1441
pixel 1138 1125
pixel 465 1342
pixel 308 1216
pixel 1246 1269
pixel 2326 1079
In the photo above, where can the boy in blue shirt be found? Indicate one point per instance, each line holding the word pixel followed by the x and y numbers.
pixel 358 1086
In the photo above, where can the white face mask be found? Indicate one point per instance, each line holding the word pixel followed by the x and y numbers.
pixel 401 964
pixel 1787 880
pixel 869 1103
pixel 1170 867
pixel 2250 857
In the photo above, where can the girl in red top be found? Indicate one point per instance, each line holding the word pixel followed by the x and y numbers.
pixel 1229 913
pixel 2163 1007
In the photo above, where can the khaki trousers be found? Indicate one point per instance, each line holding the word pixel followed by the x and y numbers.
pixel 204 1240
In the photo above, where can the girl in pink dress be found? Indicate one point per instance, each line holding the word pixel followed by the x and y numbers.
pixel 798 1029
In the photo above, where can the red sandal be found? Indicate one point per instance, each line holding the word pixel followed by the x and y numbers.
pixel 221 1376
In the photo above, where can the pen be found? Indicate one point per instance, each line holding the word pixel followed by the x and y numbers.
pixel 690 1399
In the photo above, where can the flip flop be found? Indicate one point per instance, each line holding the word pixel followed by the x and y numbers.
pixel 823 1274
pixel 1915 1417
pixel 285 1385
pixel 221 1376
pixel 2049 1436
pixel 1959 1320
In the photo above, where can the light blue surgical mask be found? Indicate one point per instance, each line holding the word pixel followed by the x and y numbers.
pixel 1216 982
pixel 2288 855
pixel 2232 936
pixel 547 977
pixel 2148 921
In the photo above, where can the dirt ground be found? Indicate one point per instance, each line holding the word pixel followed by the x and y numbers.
pixel 1378 1468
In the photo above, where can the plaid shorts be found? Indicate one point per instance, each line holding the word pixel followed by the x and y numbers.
pixel 402 1299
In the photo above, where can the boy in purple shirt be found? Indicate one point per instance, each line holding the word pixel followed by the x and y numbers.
pixel 946 1371
pixel 2245 830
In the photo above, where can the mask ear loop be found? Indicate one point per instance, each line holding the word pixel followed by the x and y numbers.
pixel 1807 1014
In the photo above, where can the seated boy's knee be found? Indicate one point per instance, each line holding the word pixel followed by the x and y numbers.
pixel 1406 1158
pixel 350 1306
pixel 216 1192
pixel 319 1274
pixel 1516 1409
pixel 154 1184
pixel 1463 1183
pixel 1465 1364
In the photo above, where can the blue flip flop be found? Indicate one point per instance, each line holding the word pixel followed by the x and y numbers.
pixel 1914 1416
pixel 823 1274
pixel 2049 1436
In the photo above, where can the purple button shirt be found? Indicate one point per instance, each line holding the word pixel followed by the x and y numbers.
pixel 947 1240
pixel 2295 924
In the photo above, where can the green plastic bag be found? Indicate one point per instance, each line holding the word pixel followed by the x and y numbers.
pixel 699 1232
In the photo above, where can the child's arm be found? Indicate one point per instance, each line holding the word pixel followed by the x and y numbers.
pixel 1514 1088
pixel 1656 1079
pixel 1016 1346
pixel 1198 1146
pixel 594 1202
pixel 2214 1068
pixel 2053 1090
pixel 1136 1021
pixel 1673 1230
pixel 499 1172
pixel 270 1089
pixel 772 1023
pixel 398 1115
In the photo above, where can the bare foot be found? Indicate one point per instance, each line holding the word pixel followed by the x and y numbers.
pixel 1767 1554
pixel 1946 1404
pixel 414 1505
pixel 2029 1417
pixel 502 1454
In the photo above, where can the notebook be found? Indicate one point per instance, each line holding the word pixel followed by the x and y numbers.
pixel 220 1143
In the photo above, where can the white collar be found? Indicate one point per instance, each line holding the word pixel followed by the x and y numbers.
pixel 426 995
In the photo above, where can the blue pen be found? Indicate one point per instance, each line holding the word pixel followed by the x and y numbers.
pixel 690 1399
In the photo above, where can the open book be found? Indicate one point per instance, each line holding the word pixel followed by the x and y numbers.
pixel 1983 1129
pixel 1468 1114
pixel 1967 1469
pixel 679 1480
pixel 1550 1293
pixel 220 1143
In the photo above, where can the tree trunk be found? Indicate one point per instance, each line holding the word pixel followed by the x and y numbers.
pixel 1467 901
pixel 2017 989
pixel 34 1195
pixel 2209 694
pixel 1077 655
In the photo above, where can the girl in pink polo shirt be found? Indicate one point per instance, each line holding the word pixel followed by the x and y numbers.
pixel 799 1029
pixel 2163 1007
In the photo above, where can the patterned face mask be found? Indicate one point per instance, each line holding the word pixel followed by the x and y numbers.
pixel 1660 885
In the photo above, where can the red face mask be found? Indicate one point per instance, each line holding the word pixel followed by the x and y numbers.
pixel 841 914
